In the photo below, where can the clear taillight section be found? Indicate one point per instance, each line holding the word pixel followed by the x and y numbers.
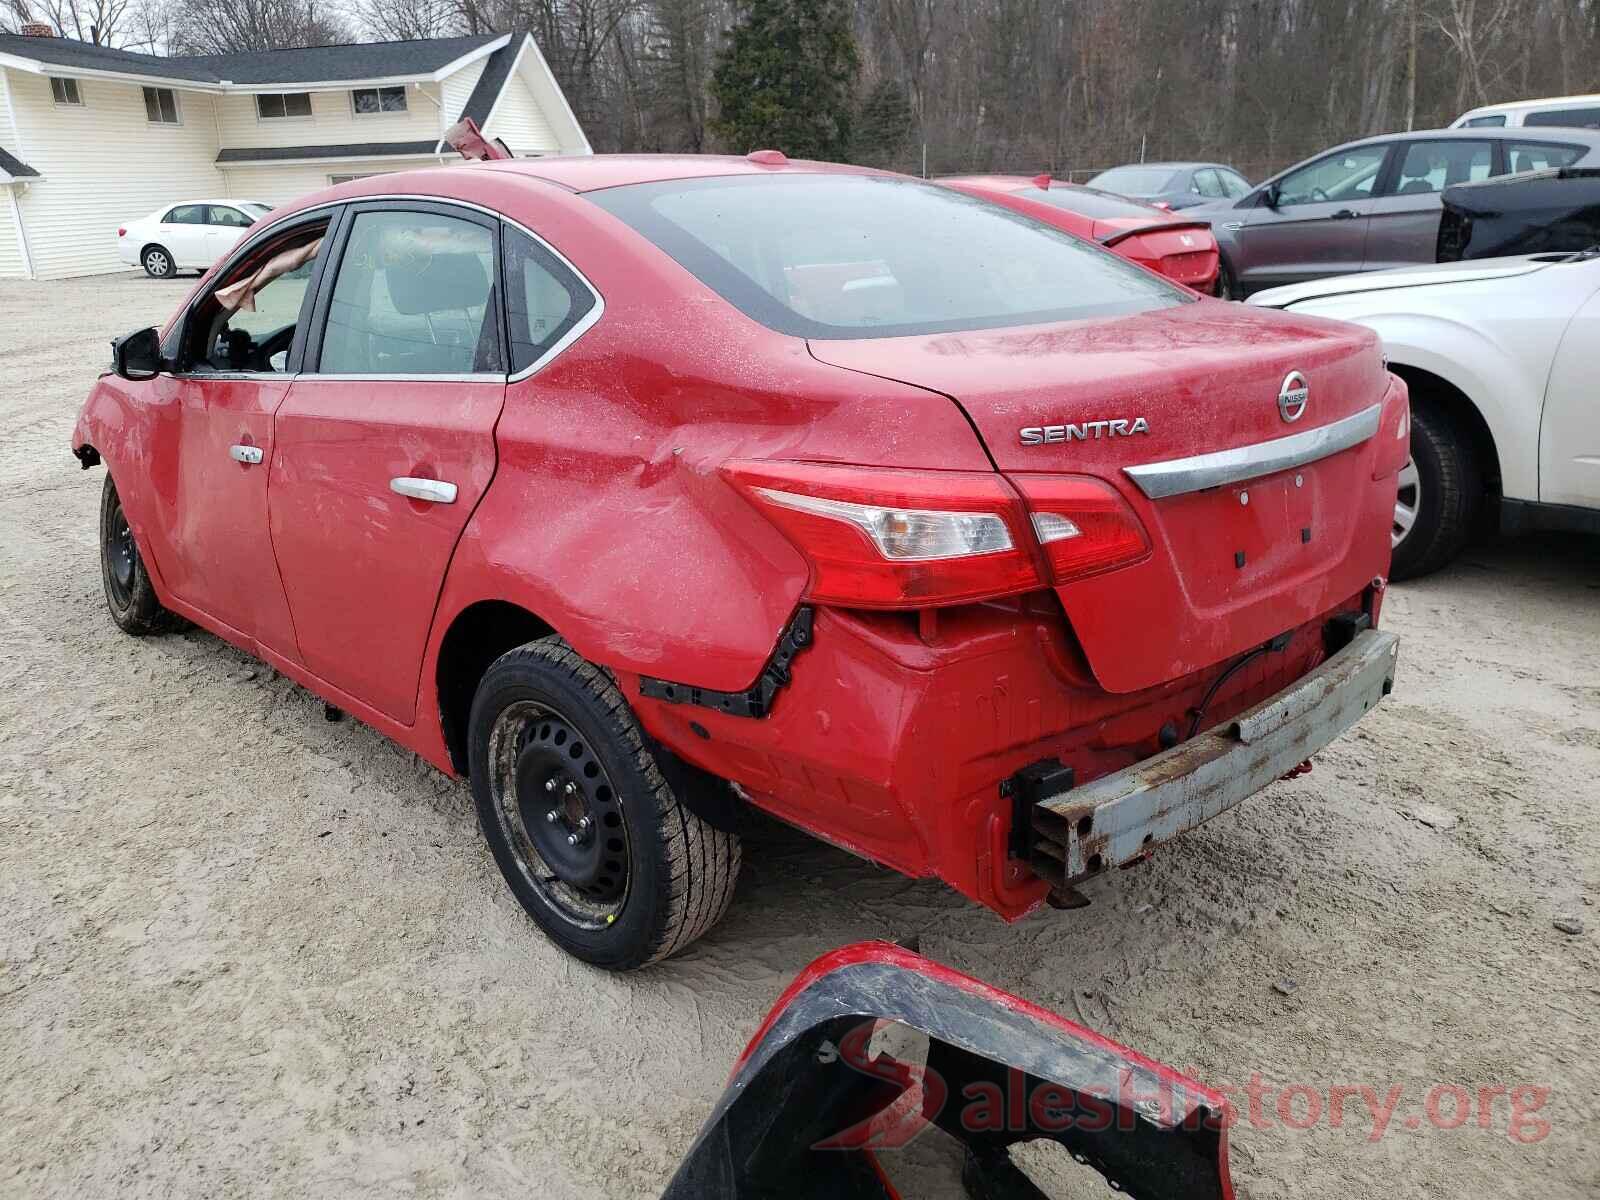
pixel 1084 525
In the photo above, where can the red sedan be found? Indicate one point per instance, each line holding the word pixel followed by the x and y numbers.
pixel 1166 243
pixel 643 490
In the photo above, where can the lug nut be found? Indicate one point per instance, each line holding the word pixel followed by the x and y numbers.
pixel 549 785
pixel 583 823
pixel 552 816
pixel 572 839
pixel 572 789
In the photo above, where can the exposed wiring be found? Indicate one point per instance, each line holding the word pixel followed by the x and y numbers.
pixel 1277 643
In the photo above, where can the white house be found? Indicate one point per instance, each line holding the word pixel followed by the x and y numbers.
pixel 90 136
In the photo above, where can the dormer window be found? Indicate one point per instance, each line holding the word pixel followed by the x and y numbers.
pixel 279 105
pixel 65 91
pixel 367 101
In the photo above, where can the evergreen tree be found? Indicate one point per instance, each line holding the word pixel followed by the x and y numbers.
pixel 785 78
pixel 883 127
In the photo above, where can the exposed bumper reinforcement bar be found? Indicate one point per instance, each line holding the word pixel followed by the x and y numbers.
pixel 1116 818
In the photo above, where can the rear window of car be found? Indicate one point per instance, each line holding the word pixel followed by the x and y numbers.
pixel 1571 118
pixel 1539 156
pixel 1135 181
pixel 1089 202
pixel 854 256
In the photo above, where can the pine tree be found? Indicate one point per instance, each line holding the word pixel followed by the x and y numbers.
pixel 884 126
pixel 785 79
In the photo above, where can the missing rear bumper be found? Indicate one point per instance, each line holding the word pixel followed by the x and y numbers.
pixel 1077 832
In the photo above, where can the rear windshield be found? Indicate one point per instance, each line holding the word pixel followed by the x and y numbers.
pixel 1089 202
pixel 854 256
pixel 1135 181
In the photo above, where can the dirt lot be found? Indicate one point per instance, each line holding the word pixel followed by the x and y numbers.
pixel 248 952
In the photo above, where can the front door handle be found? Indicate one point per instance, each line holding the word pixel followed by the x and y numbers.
pixel 434 491
pixel 248 455
pixel 1345 214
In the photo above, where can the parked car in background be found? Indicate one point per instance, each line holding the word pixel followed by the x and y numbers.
pixel 187 236
pixel 1572 112
pixel 1182 250
pixel 1539 212
pixel 639 489
pixel 1371 204
pixel 1173 185
pixel 1501 356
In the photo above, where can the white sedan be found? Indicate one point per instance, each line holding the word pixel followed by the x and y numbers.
pixel 188 236
pixel 1502 357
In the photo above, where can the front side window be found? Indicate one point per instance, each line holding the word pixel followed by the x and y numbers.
pixel 248 322
pixel 231 217
pixel 1539 156
pixel 186 214
pixel 1429 167
pixel 161 106
pixel 1495 121
pixel 856 256
pixel 1233 183
pixel 65 91
pixel 1348 175
pixel 414 296
pixel 544 300
pixel 378 100
pixel 1572 118
pixel 285 104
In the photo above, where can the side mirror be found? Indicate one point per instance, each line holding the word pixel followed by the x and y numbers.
pixel 137 355
pixel 1270 195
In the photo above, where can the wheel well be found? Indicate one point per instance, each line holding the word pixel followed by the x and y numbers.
pixel 1433 389
pixel 481 633
pixel 149 246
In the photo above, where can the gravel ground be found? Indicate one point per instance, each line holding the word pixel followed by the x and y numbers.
pixel 248 952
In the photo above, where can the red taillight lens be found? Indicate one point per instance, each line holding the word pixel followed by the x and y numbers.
pixel 122 231
pixel 877 537
pixel 1083 524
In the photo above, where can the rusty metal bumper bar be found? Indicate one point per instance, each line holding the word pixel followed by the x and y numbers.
pixel 1116 818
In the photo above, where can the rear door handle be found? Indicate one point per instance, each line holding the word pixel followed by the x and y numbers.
pixel 249 455
pixel 434 491
pixel 1345 214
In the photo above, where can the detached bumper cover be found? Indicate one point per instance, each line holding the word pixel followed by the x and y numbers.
pixel 1116 818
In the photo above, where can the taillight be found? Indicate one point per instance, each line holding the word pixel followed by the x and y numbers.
pixel 883 538
pixel 1084 525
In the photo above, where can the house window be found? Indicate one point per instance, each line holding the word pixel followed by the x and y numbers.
pixel 378 100
pixel 284 104
pixel 161 106
pixel 65 91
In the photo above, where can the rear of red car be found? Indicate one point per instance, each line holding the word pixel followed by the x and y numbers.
pixel 1160 598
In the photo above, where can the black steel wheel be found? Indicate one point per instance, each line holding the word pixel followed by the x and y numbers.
pixel 591 838
pixel 129 593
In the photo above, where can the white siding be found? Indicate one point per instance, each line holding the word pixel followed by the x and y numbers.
pixel 10 250
pixel 275 183
pixel 333 122
pixel 518 120
pixel 103 163
pixel 457 90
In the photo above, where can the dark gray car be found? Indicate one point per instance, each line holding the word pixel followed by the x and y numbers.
pixel 1371 204
pixel 1174 184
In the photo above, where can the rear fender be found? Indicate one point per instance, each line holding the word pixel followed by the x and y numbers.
pixel 809 1112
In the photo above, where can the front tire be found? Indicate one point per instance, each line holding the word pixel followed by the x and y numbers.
pixel 1440 492
pixel 588 834
pixel 1227 286
pixel 157 262
pixel 130 595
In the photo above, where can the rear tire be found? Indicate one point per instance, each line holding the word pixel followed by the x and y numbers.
pixel 586 830
pixel 157 262
pixel 1440 492
pixel 129 593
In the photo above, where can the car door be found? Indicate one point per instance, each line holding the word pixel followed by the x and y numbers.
pixel 183 232
pixel 235 368
pixel 1569 432
pixel 385 443
pixel 224 226
pixel 1309 223
pixel 1404 226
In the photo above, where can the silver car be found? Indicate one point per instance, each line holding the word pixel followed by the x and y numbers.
pixel 1370 205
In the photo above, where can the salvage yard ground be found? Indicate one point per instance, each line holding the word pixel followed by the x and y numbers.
pixel 247 952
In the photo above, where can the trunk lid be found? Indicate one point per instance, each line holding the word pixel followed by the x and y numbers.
pixel 1231 565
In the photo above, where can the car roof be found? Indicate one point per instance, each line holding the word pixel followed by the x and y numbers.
pixel 1524 105
pixel 591 172
pixel 1588 137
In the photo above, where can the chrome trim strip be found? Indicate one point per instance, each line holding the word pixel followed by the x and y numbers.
pixel 1179 476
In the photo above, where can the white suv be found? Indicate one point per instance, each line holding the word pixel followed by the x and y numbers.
pixel 1571 112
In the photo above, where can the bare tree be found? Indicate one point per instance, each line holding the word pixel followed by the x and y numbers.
pixel 102 22
pixel 228 26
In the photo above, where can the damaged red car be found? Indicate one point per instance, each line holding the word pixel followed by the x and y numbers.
pixel 639 490
pixel 1167 243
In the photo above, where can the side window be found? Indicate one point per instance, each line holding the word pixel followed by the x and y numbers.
pixel 186 214
pixel 1430 167
pixel 1210 186
pixel 1348 175
pixel 1539 156
pixel 415 295
pixel 248 323
pixel 1234 184
pixel 1497 121
pixel 1572 118
pixel 231 217
pixel 544 300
